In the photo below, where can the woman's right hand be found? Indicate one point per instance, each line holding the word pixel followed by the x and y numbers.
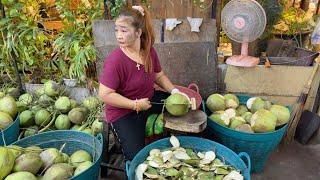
pixel 144 104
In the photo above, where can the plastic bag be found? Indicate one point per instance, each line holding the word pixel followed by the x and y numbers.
pixel 315 37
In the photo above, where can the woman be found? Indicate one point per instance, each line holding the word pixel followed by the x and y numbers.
pixel 128 78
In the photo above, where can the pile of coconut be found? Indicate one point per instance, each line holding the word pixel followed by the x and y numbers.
pixel 34 163
pixel 256 116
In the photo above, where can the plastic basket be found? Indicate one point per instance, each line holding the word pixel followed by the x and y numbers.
pixel 197 144
pixel 10 134
pixel 259 146
pixel 73 140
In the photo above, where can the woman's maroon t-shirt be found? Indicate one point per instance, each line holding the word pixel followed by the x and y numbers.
pixel 121 74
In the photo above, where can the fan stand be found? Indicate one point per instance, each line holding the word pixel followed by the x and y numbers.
pixel 243 60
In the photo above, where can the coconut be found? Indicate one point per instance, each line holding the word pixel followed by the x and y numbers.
pixel 267 105
pixel 82 167
pixel 16 150
pixel 35 108
pixel 75 127
pixel 45 100
pixel 250 102
pixel 97 127
pixel 241 110
pixel 26 98
pixel 26 118
pixel 2 94
pixel 244 128
pixel 177 104
pixel 247 117
pixel 23 175
pixel 30 162
pixel 51 156
pixel 76 115
pixel 9 106
pixel 33 149
pixel 79 156
pixel 88 131
pixel 62 122
pixel 63 104
pixel 282 113
pixel 6 161
pixel 236 121
pixel 51 88
pixel 65 158
pixel 231 100
pixel 39 91
pixel 59 171
pixel 216 102
pixel 91 102
pixel 42 117
pixel 216 117
pixel 263 121
pixel 257 104
pixel 13 92
pixel 73 103
pixel 5 120
pixel 30 131
pixel 21 106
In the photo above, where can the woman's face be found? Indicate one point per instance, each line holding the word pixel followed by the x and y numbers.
pixel 126 34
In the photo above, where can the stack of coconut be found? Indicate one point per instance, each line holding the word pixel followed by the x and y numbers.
pixel 34 163
pixel 256 116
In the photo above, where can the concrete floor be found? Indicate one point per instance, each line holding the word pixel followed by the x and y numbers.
pixel 289 162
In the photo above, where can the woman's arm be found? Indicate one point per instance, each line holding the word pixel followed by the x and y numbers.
pixel 163 81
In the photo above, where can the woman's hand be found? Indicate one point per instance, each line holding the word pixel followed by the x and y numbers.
pixel 143 104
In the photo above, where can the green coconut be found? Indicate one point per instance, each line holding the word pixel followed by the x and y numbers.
pixel 2 94
pixel 6 161
pixel 21 106
pixel 158 125
pixel 241 110
pixel 236 121
pixel 23 175
pixel 13 92
pixel 5 120
pixel 231 100
pixel 91 103
pixel 16 150
pixel 51 156
pixel 30 131
pixel 26 118
pixel 263 121
pixel 149 124
pixel 9 106
pixel 25 98
pixel 63 104
pixel 247 116
pixel 244 128
pixel 77 115
pixel 257 104
pixel 42 117
pixel 59 171
pixel 216 117
pixel 97 127
pixel 79 156
pixel 216 102
pixel 30 162
pixel 177 104
pixel 39 91
pixel 73 103
pixel 51 88
pixel 282 113
pixel 82 167
pixel 45 100
pixel 267 105
pixel 62 122
pixel 35 108
pixel 75 127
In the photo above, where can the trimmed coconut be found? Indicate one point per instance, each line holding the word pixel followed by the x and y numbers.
pixel 26 118
pixel 23 175
pixel 216 102
pixel 51 88
pixel 76 115
pixel 247 117
pixel 26 98
pixel 30 131
pixel 80 156
pixel 97 127
pixel 30 162
pixel 177 104
pixel 241 110
pixel 231 100
pixel 263 121
pixel 42 117
pixel 282 113
pixel 91 103
pixel 236 121
pixel 33 149
pixel 9 106
pixel 5 120
pixel 51 156
pixel 59 171
pixel 257 104
pixel 62 122
pixel 63 104
pixel 82 167
pixel 6 162
pixel 244 128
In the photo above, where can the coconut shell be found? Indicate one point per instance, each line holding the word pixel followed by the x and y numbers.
pixel 59 171
pixel 30 162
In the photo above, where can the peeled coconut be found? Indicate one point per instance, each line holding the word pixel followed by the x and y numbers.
pixel 257 104
pixel 63 104
pixel 16 150
pixel 97 127
pixel 62 122
pixel 30 131
pixel 6 162
pixel 82 167
pixel 231 100
pixel 5 120
pixel 80 156
pixel 9 106
pixel 177 104
pixel 42 117
pixel 26 98
pixel 236 121
pixel 282 113
pixel 216 102
pixel 30 162
pixel 216 117
pixel 23 175
pixel 26 118
pixel 51 88
pixel 241 110
pixel 247 117
pixel 59 171
pixel 263 121
pixel 77 115
pixel 13 92
pixel 244 128
pixel 91 103
pixel 51 156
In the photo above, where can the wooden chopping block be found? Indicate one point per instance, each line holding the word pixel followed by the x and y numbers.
pixel 193 122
